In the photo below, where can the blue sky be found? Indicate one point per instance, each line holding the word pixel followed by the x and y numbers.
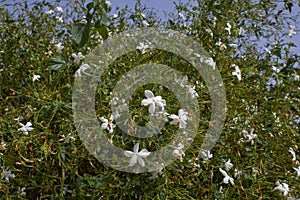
pixel 163 6
pixel 168 6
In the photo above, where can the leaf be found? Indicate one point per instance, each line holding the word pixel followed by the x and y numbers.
pixel 80 33
pixel 89 6
pixel 102 30
pixel 56 63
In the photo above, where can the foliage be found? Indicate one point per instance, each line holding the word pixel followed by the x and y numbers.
pixel 51 161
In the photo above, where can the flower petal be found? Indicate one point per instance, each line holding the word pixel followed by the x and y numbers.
pixel 141 161
pixel 133 160
pixel 146 102
pixel 144 153
pixel 152 108
pixel 136 148
pixel 128 153
pixel 149 94
pixel 104 125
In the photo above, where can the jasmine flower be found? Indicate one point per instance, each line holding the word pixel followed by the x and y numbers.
pixel 8 175
pixel 107 124
pixel 297 170
pixel 291 150
pixel 108 3
pixel 206 155
pixel 59 47
pixel 59 9
pixel 25 128
pixel 226 178
pixel 237 72
pixel 77 57
pixel 36 77
pixel 292 31
pixel 180 118
pixel 228 28
pixel 284 188
pixel 228 165
pixel 136 156
pixel 153 101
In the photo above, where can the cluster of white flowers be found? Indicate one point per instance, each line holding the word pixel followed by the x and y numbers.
pixel 155 105
pixel 108 124
pixel 58 10
pixel 282 187
pixel 292 31
pixel 178 152
pixel 143 47
pixel 77 57
pixel 206 154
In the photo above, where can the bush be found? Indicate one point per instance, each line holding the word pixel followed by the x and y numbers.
pixel 42 46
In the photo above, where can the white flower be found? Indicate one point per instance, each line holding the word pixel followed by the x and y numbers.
pixel 59 19
pixel 228 165
pixel 143 47
pixel 193 92
pixel 115 15
pixel 267 50
pixel 107 124
pixel 237 173
pixel 292 31
pixel 22 191
pixel 210 62
pixel 153 101
pixel 178 152
pixel 291 150
pixel 206 155
pixel 25 128
pixel 59 47
pixel 77 57
pixel 145 23
pixel 8 174
pixel 237 72
pixel 297 170
pixel 49 12
pixel 136 156
pixel 250 136
pixel 209 31
pixel 228 28
pixel 181 118
pixel 59 9
pixel 108 3
pixel 182 16
pixel 226 178
pixel 284 188
pixel 36 77
pixel 81 69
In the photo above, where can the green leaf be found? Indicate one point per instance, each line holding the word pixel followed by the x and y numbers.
pixel 56 63
pixel 89 6
pixel 102 30
pixel 80 34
